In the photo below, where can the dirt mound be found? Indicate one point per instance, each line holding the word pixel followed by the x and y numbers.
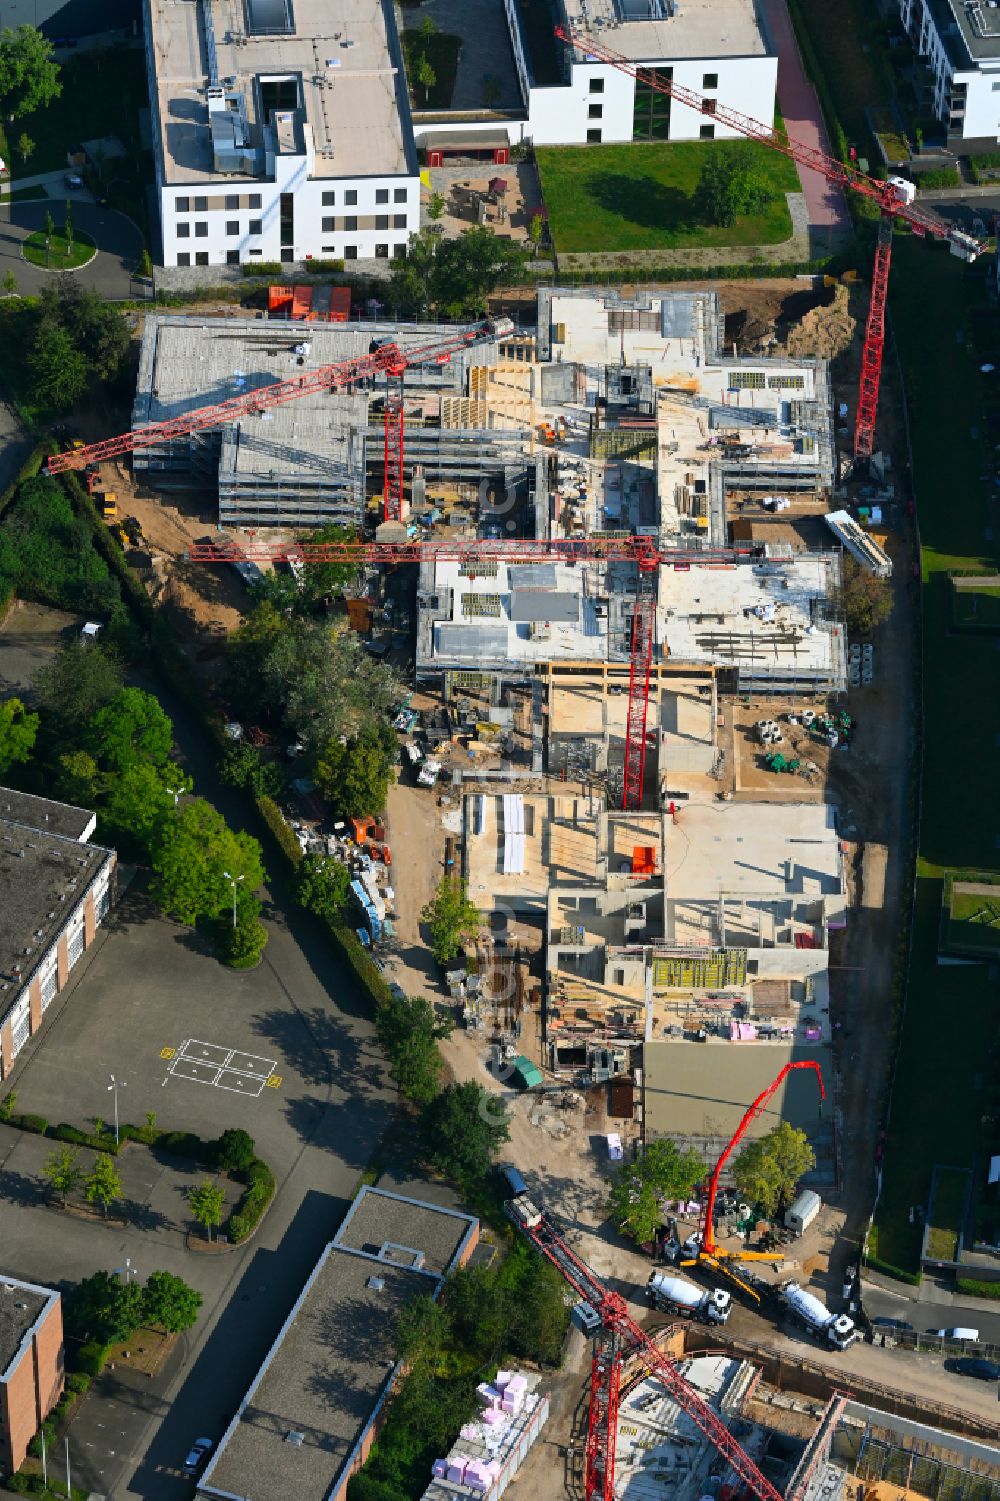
pixel 825 331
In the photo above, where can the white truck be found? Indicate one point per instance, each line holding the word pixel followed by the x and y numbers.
pixel 816 1319
pixel 677 1295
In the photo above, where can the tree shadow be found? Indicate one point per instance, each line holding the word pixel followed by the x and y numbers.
pixel 27 1193
pixel 315 1043
pixel 144 1217
pixel 643 200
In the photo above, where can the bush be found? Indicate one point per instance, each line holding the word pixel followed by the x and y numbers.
pixel 234 1151
pixel 262 268
pixel 875 1264
pixel 260 1190
pixel 36 1123
pixel 78 1382
pixel 283 836
pixel 185 1144
pixel 938 177
pixel 91 1357
pixel 318 267
pixel 48 1428
pixel 20 1484
pixel 977 1289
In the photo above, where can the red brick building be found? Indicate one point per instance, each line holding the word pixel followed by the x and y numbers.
pixel 57 888
pixel 31 1364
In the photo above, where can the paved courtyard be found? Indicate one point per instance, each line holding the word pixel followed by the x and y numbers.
pixel 118 241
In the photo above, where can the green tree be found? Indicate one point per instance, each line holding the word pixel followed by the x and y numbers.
pixel 76 778
pixel 322 885
pixel 25 146
pixel 57 370
pixel 241 945
pixel 102 1184
pixel 539 1317
pixel 145 263
pixel 18 732
pixel 98 328
pixel 423 1336
pixel 29 76
pixel 169 1302
pixel 241 766
pixel 409 1030
pixel 131 729
pixel 9 284
pixel 190 857
pixel 867 599
pixel 768 1168
pixel 328 580
pixel 461 1130
pixel 135 803
pixel 68 224
pixel 235 1150
pixel 451 918
pixel 426 76
pixel 323 683
pixel 435 207
pixel 732 184
pixel 469 268
pixel 102 1308
pixel 77 683
pixel 207 1200
pixel 50 225
pixel 356 776
pixel 664 1171
pixel 427 28
pixel 63 1171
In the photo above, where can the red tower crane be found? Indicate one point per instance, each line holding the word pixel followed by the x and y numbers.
pixel 622 1336
pixel 708 1245
pixel 894 199
pixel 384 359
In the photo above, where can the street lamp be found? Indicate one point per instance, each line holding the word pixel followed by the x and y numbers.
pixel 175 793
pixel 128 1270
pixel 233 881
pixel 113 1088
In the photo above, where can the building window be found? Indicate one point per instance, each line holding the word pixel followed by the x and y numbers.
pixel 381 221
pixel 232 201
pixel 232 257
pixel 707 132
pixel 329 250
pixel 329 224
pixel 184 231
pixel 183 258
pixel 182 205
pixel 399 195
pixel 399 221
pixel 350 252
pixel 710 81
pixel 595 111
pixel 253 201
pixel 287 253
pixel 255 250
pixel 201 258
pixel 595 136
pixel 351 222
pixel 287 220
pixel 651 115
pixel 381 252
pixel 201 205
pixel 74 941
pixel 201 229
pixel 381 195
pixel 329 199
pixel 256 227
pixel 232 227
pixel 351 196
pixel 399 252
pixel 597 85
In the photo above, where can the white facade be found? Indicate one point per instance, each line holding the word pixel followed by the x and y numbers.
pixel 960 43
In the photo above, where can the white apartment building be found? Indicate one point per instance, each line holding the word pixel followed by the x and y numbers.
pixel 281 131
pixel 960 42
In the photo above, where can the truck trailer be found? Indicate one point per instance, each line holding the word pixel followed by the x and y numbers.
pixel 816 1319
pixel 676 1295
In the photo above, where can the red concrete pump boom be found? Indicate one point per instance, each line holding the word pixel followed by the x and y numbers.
pixel 707 1230
pixel 893 197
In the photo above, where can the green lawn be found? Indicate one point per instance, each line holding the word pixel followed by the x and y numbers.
pixel 977 609
pixel 103 91
pixel 60 256
pixel 441 50
pixel 852 53
pixel 945 1068
pixel 641 196
pixel 950 1188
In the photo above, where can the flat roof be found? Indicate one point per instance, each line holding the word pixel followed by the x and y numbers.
pixel 348 84
pixel 334 1361
pixel 975 22
pixel 44 814
pixel 488 618
pixel 21 1306
pixel 697 28
pixel 750 849
pixel 697 1089
pixel 44 878
pixel 760 615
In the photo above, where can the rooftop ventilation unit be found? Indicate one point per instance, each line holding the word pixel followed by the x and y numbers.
pixel 293 1436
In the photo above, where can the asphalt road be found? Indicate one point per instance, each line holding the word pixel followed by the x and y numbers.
pixel 938 1309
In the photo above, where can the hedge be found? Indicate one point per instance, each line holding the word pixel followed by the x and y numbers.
pixel 875 1264
pixel 28 470
pixel 35 1123
pixel 283 835
pixel 320 268
pixel 91 1357
pixel 261 268
pixel 261 1187
pixel 976 1288
pixel 938 177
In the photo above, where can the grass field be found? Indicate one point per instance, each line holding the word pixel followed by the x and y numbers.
pixel 103 90
pixel 950 1187
pixel 60 256
pixel 977 609
pixel 943 1075
pixel 641 197
pixel 852 54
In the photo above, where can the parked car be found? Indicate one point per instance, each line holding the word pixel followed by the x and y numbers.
pixel 896 1325
pixel 72 179
pixel 957 1333
pixel 199 1452
pixel 972 1365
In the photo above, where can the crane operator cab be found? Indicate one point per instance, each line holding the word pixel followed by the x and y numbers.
pixel 904 189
